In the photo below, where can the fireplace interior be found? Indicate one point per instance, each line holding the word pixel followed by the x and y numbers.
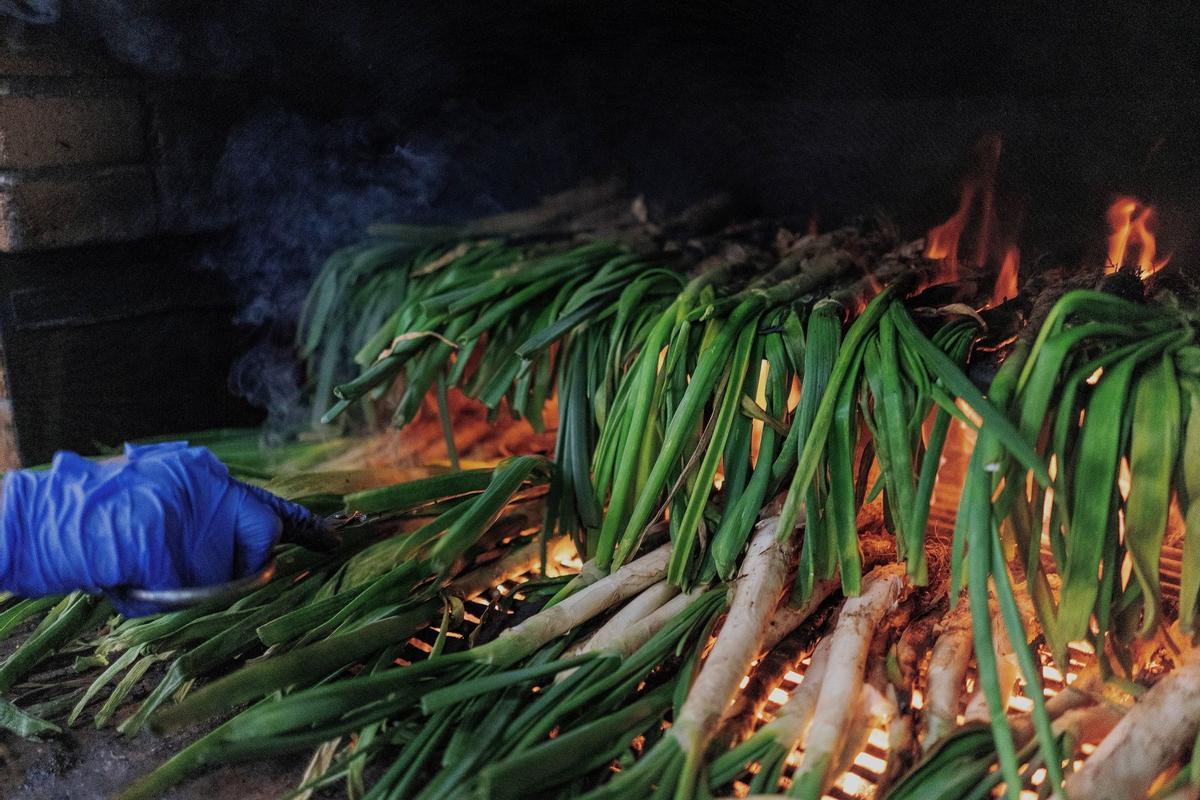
pixel 380 257
pixel 250 144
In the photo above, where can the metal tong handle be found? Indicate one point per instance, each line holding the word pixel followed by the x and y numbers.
pixel 188 596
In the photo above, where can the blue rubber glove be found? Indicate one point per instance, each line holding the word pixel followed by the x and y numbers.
pixel 164 516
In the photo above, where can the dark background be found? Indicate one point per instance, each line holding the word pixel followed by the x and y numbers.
pixel 284 128
pixel 836 109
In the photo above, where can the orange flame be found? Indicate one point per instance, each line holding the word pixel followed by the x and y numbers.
pixel 1006 281
pixel 1131 222
pixel 868 287
pixel 942 240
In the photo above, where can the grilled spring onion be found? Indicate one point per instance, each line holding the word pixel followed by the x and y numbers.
pixel 1092 350
pixel 947 672
pixel 609 681
pixel 674 763
pixel 74 613
pixel 1149 739
pixel 655 378
pixel 314 715
pixel 975 524
pixel 901 374
pixel 681 394
pixel 522 300
pixel 352 295
pixel 817 714
pixel 850 641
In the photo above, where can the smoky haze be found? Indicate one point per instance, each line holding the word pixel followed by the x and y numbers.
pixel 286 131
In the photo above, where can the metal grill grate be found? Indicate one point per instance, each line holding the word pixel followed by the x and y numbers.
pixel 476 606
pixel 861 780
pixel 857 783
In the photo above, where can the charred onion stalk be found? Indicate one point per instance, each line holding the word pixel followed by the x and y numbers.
pixel 1006 655
pixel 776 661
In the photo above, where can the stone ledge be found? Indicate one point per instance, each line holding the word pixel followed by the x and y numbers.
pixel 40 132
pixel 60 210
pixel 44 54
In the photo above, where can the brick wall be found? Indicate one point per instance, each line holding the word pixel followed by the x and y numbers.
pixel 72 162
pixel 73 150
pixel 95 346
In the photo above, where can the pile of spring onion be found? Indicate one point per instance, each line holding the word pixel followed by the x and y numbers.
pixel 751 431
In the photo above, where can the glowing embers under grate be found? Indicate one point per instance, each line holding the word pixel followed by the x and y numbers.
pixel 479 607
pixel 420 646
pixel 861 780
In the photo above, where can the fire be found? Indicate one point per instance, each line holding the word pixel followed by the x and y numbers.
pixel 1006 281
pixel 1132 223
pixel 977 207
pixel 868 287
pixel 873 285
pixel 942 241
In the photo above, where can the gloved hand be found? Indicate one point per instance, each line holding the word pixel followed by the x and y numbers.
pixel 164 516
